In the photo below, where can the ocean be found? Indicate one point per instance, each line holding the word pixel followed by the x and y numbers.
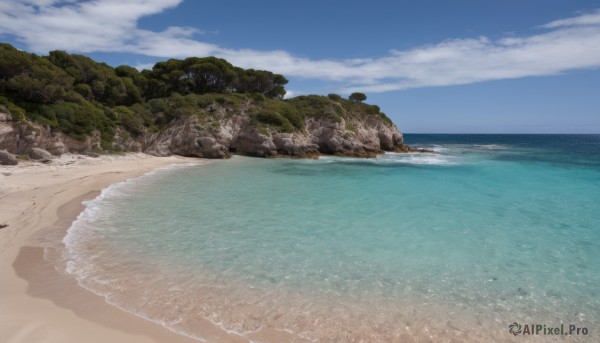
pixel 459 245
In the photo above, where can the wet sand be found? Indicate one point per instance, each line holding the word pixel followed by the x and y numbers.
pixel 39 304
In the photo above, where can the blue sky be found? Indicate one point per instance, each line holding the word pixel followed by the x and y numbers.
pixel 432 66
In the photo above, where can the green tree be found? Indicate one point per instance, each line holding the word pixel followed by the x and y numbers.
pixel 261 81
pixel 357 97
pixel 30 78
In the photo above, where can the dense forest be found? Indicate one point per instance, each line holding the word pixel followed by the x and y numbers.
pixel 77 95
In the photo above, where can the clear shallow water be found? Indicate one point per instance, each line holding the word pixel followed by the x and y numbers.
pixel 490 230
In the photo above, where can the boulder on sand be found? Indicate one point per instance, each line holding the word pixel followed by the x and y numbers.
pixel 39 154
pixel 8 159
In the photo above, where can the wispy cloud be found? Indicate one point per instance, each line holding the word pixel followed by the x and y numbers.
pixel 112 26
pixel 592 18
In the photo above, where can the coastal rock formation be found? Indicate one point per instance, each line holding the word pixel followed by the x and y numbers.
pixel 235 133
pixel 199 106
pixel 125 142
pixel 226 132
pixel 39 154
pixel 8 159
pixel 186 137
pixel 40 142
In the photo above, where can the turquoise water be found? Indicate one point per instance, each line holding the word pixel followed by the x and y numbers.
pixel 453 245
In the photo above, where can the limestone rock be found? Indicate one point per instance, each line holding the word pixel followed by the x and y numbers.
pixel 39 154
pixel 125 142
pixel 218 135
pixel 8 159
pixel 186 137
pixel 90 144
pixel 295 145
pixel 56 148
pixel 252 143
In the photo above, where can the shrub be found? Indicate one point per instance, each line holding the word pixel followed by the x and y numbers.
pixel 85 90
pixel 76 120
pixel 16 112
pixel 334 97
pixel 157 105
pixel 274 119
pixel 129 120
pixel 350 126
pixel 257 97
pixel 314 106
pixel 288 111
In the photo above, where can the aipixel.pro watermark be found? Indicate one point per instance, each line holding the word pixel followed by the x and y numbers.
pixel 546 330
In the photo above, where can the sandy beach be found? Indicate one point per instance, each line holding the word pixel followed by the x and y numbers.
pixel 39 304
pixel 38 204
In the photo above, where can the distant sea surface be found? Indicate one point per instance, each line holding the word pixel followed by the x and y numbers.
pixel 455 245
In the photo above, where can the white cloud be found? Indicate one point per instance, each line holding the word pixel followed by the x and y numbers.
pixel 112 26
pixel 289 94
pixel 84 26
pixel 592 18
pixel 142 66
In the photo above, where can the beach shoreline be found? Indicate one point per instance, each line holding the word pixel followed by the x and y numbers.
pixel 38 203
pixel 38 303
pixel 42 303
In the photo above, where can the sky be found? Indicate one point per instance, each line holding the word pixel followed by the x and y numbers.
pixel 462 66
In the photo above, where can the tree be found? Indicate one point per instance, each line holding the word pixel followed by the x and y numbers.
pixel 212 75
pixel 27 77
pixel 261 81
pixel 357 97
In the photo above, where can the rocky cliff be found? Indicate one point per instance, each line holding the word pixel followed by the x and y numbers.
pixel 220 130
pixel 237 133
pixel 205 107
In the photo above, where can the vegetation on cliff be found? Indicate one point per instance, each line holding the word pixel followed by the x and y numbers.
pixel 75 95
